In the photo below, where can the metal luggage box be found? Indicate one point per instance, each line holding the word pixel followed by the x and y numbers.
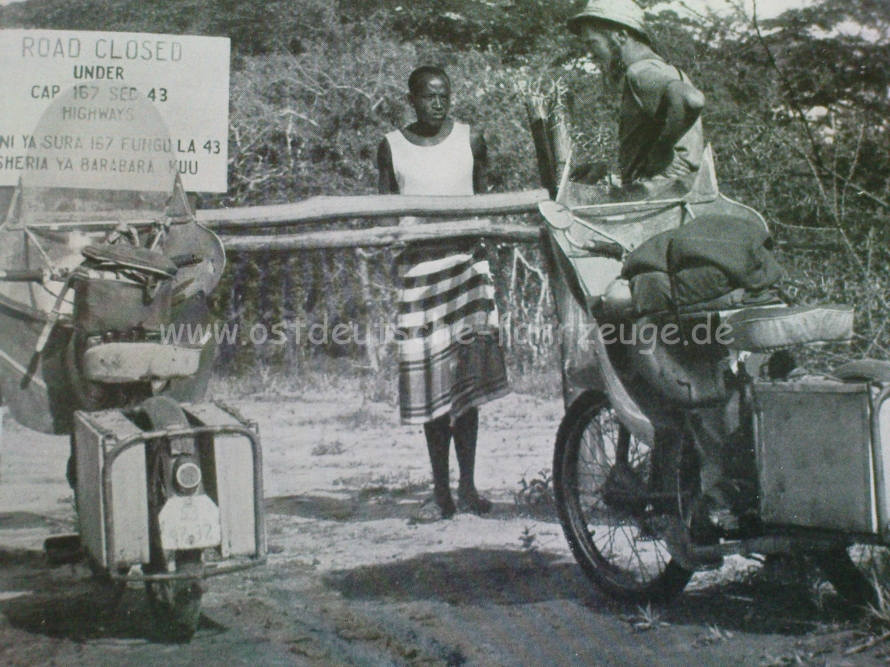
pixel 98 433
pixel 818 450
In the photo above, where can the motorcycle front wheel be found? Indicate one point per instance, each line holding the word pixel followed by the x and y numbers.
pixel 608 507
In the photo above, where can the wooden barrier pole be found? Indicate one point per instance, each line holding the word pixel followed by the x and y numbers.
pixel 319 209
pixel 382 236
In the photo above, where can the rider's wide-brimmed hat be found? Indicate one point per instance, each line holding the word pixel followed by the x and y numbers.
pixel 624 13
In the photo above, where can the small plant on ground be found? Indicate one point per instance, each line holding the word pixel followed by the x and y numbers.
pixel 878 616
pixel 820 592
pixel 879 612
pixel 537 492
pixel 714 635
pixel 527 540
pixel 646 618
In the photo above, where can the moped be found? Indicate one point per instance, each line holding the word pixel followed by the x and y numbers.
pixel 101 254
pixel 812 452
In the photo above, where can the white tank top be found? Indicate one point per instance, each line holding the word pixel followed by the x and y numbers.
pixel 443 169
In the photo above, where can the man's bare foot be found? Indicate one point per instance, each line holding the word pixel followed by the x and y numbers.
pixel 470 501
pixel 431 511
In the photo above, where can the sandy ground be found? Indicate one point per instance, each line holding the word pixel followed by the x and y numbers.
pixel 352 580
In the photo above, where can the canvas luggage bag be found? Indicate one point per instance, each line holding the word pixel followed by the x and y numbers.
pixel 725 264
pixel 123 288
pixel 107 305
pixel 711 263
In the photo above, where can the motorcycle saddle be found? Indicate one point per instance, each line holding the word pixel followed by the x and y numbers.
pixel 863 370
pixel 771 328
pixel 131 257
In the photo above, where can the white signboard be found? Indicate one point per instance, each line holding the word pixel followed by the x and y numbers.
pixel 185 77
pixel 87 140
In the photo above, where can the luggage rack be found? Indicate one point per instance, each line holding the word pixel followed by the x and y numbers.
pixel 127 573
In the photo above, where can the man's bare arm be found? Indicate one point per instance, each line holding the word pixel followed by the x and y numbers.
pixel 480 161
pixel 681 105
pixel 386 174
pixel 386 178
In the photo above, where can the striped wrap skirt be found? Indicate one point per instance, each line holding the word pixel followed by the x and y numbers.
pixel 450 359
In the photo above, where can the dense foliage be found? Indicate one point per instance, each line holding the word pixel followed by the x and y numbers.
pixel 797 112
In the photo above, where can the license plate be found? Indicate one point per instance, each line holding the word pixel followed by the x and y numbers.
pixel 189 522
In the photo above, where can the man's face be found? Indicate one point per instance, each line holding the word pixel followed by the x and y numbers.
pixel 604 48
pixel 599 42
pixel 431 100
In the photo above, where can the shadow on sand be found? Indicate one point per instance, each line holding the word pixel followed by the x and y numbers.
pixel 68 602
pixel 25 520
pixel 373 504
pixel 468 577
pixel 787 596
pixel 782 602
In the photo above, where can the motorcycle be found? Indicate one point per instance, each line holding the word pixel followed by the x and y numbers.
pixel 101 254
pixel 809 451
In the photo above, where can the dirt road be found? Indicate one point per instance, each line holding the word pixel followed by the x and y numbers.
pixel 352 581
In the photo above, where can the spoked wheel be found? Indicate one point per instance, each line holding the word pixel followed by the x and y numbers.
pixel 610 505
pixel 175 603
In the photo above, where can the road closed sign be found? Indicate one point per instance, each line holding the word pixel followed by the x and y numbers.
pixel 102 82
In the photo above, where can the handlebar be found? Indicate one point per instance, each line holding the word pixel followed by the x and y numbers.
pixel 46 275
pixel 33 275
pixel 24 275
pixel 604 249
pixel 188 259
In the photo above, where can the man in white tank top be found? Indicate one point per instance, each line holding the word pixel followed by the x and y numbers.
pixel 445 170
pixel 445 284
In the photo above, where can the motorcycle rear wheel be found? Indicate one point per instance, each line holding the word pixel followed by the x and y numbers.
pixel 602 476
pixel 174 603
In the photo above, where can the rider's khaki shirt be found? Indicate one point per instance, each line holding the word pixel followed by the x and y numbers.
pixel 642 117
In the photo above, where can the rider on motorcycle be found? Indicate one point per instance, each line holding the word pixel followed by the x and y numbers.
pixel 660 131
pixel 660 152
